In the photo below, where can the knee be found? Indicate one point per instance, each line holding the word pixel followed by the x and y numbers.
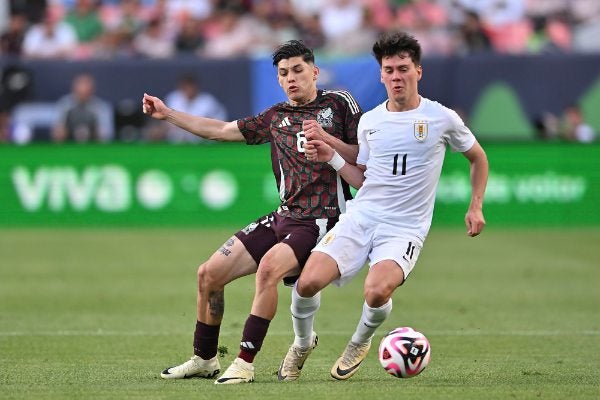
pixel 378 294
pixel 307 287
pixel 207 280
pixel 268 272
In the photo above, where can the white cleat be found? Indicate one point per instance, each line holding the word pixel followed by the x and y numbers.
pixel 292 364
pixel 194 367
pixel 239 371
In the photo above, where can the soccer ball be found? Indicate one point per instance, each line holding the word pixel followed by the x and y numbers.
pixel 404 352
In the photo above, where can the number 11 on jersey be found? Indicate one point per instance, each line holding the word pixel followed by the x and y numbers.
pixel 395 169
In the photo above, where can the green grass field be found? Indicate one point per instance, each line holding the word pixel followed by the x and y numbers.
pixel 91 314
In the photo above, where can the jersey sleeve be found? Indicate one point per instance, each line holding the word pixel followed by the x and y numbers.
pixel 458 135
pixel 363 145
pixel 353 114
pixel 257 129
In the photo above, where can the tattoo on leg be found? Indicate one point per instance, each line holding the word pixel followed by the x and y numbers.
pixel 224 250
pixel 216 304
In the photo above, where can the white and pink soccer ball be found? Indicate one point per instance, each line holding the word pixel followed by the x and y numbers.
pixel 404 352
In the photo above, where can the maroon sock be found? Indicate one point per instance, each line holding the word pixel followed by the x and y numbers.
pixel 206 340
pixel 254 334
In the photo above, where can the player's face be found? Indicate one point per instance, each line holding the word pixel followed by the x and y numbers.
pixel 298 79
pixel 400 76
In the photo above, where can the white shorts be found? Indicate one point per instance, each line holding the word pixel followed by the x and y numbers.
pixel 352 242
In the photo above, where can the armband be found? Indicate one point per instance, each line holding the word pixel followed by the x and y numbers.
pixel 337 161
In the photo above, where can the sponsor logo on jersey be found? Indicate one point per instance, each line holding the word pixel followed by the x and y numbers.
pixel 325 117
pixel 285 122
pixel 421 130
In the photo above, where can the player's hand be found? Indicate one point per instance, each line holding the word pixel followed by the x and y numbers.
pixel 318 151
pixel 475 222
pixel 154 107
pixel 313 130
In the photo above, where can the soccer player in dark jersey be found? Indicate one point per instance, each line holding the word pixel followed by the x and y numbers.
pixel 276 245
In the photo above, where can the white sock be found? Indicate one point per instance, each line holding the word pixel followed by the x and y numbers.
pixel 303 316
pixel 370 320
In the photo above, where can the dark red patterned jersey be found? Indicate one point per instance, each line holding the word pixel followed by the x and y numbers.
pixel 307 190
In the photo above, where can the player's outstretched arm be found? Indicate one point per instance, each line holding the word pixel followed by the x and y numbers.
pixel 206 128
pixel 319 151
pixel 314 131
pixel 479 176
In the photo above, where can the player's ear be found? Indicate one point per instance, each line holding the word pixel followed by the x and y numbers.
pixel 316 72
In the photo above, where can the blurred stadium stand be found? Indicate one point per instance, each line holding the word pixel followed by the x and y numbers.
pixel 499 96
pixel 505 65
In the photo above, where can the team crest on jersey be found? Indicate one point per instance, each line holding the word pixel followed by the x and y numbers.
pixel 328 238
pixel 421 130
pixel 325 117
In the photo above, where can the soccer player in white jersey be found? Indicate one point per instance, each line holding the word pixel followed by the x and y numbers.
pixel 402 143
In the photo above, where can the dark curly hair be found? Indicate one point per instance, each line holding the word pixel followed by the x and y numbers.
pixel 394 43
pixel 293 48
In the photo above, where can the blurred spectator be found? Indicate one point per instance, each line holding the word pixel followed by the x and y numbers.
pixel 220 28
pixel 380 13
pixel 122 23
pixel 189 98
pixel 129 121
pixel 198 9
pixel 83 117
pixel 85 21
pixel 505 22
pixel 154 41
pixel 551 35
pixel 275 24
pixel 5 12
pixel 50 38
pixel 472 37
pixel 348 27
pixel 574 127
pixel 233 34
pixel 11 40
pixel 341 17
pixel 586 16
pixel 174 12
pixel 189 39
pixel 307 8
pixel 34 10
pixel 309 31
pixel 356 42
pixel 547 126
pixel 428 21
pixel 416 13
pixel 543 8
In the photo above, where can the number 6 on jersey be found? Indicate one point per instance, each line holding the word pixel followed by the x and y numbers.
pixel 300 140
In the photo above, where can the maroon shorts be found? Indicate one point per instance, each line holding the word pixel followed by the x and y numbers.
pixel 300 234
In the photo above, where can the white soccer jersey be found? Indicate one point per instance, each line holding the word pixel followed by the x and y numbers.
pixel 404 153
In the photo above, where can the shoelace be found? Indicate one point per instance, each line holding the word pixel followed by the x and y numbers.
pixel 234 368
pixel 189 364
pixel 291 363
pixel 353 352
